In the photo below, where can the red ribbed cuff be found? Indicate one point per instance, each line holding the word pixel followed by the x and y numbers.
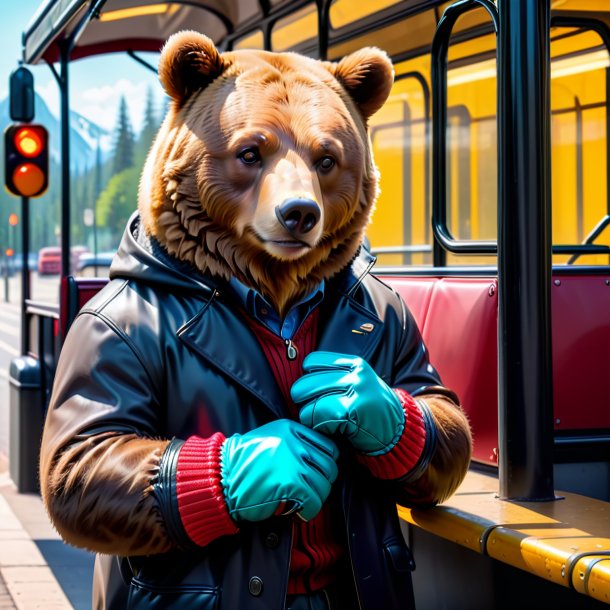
pixel 201 502
pixel 403 457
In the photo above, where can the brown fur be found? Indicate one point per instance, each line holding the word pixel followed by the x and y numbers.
pixel 98 492
pixel 206 207
pixel 451 457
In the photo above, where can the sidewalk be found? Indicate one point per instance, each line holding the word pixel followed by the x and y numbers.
pixel 37 570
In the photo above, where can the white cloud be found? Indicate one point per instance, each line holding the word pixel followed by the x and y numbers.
pixel 49 92
pixel 101 104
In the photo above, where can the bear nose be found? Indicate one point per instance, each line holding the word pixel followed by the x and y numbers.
pixel 298 216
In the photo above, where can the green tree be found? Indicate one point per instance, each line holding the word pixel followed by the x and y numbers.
pixel 150 125
pixel 97 176
pixel 124 141
pixel 118 201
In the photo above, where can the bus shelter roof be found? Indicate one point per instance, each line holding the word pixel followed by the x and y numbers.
pixel 91 27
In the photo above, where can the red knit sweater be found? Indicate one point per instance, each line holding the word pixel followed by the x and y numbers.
pixel 316 550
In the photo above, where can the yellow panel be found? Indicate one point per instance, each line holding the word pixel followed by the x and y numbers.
pixel 579 5
pixel 138 11
pixel 413 33
pixel 344 12
pixel 474 46
pixel 587 39
pixel 399 145
pixel 294 29
pixel 252 41
pixel 563 179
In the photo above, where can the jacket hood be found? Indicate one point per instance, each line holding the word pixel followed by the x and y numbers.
pixel 142 258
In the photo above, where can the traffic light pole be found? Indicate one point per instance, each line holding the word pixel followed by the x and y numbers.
pixel 65 159
pixel 25 273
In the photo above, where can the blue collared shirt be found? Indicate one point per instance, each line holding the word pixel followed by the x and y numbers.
pixel 256 305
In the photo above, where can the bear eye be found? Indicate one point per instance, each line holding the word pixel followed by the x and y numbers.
pixel 326 163
pixel 249 156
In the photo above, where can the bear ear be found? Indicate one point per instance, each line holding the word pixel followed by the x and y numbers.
pixel 367 75
pixel 189 61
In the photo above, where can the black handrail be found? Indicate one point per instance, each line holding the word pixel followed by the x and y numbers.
pixel 444 240
pixel 593 235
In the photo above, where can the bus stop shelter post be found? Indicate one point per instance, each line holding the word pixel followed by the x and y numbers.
pixel 63 82
pixel 525 398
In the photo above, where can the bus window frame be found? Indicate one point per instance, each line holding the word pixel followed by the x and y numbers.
pixel 407 249
pixel 603 31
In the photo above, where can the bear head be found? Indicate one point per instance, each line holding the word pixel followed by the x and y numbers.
pixel 262 169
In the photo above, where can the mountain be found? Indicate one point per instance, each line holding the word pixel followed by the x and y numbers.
pixel 84 134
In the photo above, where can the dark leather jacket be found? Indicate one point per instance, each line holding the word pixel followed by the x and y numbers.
pixel 162 352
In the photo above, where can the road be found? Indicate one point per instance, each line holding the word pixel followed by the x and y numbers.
pixel 43 288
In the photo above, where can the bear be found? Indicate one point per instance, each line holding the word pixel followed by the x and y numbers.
pixel 237 413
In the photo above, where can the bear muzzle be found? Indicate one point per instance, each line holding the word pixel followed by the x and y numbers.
pixel 298 216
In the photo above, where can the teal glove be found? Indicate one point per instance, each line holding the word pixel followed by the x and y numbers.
pixel 280 465
pixel 343 395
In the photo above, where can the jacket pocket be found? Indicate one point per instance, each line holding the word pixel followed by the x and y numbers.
pixel 148 596
pixel 398 557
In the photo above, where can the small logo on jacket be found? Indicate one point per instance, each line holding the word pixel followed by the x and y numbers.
pixel 364 328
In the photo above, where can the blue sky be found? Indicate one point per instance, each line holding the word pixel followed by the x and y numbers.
pixel 96 84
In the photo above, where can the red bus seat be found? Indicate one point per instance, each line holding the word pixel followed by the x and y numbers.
pixel 74 293
pixel 581 352
pixel 416 292
pixel 458 320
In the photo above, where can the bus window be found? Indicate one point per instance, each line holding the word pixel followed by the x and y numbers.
pixel 579 130
pixel 406 37
pixel 254 40
pixel 344 12
pixel 292 31
pixel 472 198
pixel 401 140
pixel 400 137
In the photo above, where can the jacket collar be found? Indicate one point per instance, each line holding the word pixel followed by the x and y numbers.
pixel 223 338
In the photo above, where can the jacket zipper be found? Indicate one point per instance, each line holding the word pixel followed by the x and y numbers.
pixel 291 350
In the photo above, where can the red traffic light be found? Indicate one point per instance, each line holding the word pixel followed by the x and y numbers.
pixel 13 219
pixel 26 161
pixel 29 180
pixel 9 252
pixel 29 141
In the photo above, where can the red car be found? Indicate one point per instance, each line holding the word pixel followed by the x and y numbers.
pixel 49 260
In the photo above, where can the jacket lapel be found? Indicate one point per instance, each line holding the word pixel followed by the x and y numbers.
pixel 351 329
pixel 218 334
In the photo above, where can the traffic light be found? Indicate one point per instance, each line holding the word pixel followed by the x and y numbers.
pixel 26 159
